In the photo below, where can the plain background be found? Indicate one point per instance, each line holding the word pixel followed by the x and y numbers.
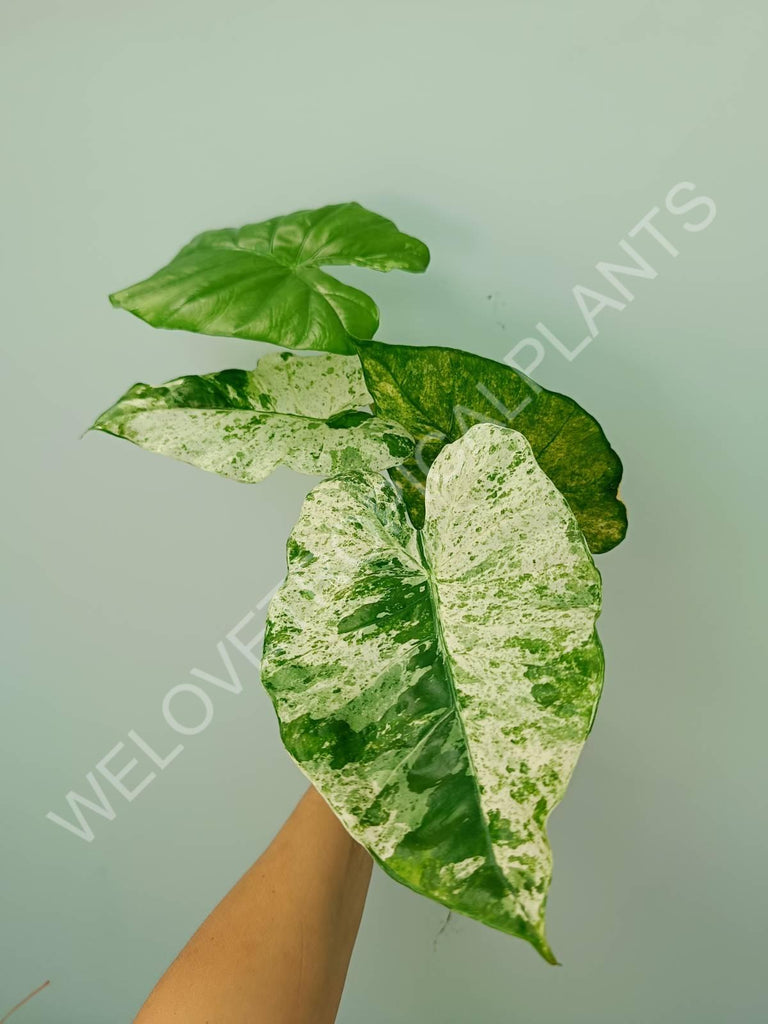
pixel 521 141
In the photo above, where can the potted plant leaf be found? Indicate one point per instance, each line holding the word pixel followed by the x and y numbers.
pixel 432 654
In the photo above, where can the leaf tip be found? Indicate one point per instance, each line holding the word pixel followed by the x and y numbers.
pixel 539 942
pixel 421 257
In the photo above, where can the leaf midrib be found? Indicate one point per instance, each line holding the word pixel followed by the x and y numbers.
pixel 295 273
pixel 130 413
pixel 443 649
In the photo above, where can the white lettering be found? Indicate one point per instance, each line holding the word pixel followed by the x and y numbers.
pixel 645 224
pixel 641 269
pixel 509 358
pixel 234 685
pixel 104 809
pixel 247 648
pixel 116 779
pixel 603 302
pixel 158 759
pixel 175 724
pixel 686 186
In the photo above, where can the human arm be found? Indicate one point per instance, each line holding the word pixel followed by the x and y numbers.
pixel 277 948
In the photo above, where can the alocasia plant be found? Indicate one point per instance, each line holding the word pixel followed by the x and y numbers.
pixel 432 654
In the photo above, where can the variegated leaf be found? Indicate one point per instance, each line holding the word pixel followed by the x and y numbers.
pixel 437 686
pixel 301 412
pixel 438 393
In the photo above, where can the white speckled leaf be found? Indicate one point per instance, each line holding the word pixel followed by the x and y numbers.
pixel 437 686
pixel 302 412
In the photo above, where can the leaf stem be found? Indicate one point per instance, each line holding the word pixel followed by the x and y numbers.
pixel 26 999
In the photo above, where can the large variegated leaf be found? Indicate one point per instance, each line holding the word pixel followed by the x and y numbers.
pixel 301 412
pixel 438 393
pixel 264 281
pixel 437 686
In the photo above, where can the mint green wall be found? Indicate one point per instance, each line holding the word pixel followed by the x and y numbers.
pixel 522 141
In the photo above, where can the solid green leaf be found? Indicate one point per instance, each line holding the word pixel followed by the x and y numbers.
pixel 438 393
pixel 264 281
pixel 302 412
pixel 437 686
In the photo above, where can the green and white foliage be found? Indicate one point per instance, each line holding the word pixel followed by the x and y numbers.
pixel 302 412
pixel 438 393
pixel 437 686
pixel 263 281
pixel 432 654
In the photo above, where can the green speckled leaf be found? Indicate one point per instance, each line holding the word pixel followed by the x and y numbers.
pixel 437 686
pixel 302 412
pixel 438 393
pixel 264 281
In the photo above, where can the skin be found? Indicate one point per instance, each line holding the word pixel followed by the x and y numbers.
pixel 277 948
